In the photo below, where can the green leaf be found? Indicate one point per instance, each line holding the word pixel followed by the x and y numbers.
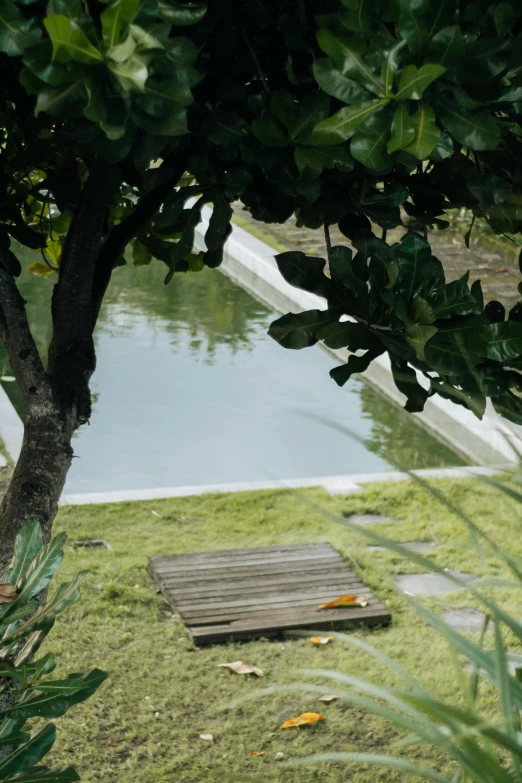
pixel 70 42
pixel 448 354
pixel 354 365
pixel 132 73
pixel 186 241
pixel 476 130
pixel 402 130
pixel 41 570
pixel 413 82
pixel 141 254
pixel 219 226
pixel 363 16
pixel 181 14
pixel 405 379
pixel 501 342
pixel 298 330
pixel 284 107
pixel 312 109
pixel 66 101
pixel 269 132
pixel 413 23
pixel 489 189
pixel 306 272
pixel 455 298
pixel 58 698
pixel 116 18
pixel 390 65
pixel 446 47
pixel 426 133
pixel 342 125
pixel 14 28
pixel 370 141
pixel 414 254
pixel 417 336
pixel 443 149
pixel 485 59
pixel 310 161
pixel 346 334
pixel 504 17
pixel 333 82
pixel 30 753
pixel 28 545
pixel 347 53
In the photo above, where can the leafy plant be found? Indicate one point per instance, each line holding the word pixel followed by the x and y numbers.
pixel 26 690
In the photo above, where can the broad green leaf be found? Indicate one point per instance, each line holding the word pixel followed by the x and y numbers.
pixel 446 47
pixel 41 570
pixel 443 149
pixel 219 226
pixel 476 130
pixel 485 59
pixel 405 379
pixel 181 14
pixel 30 753
pixel 312 109
pixel 390 65
pixel 162 96
pixel 132 73
pixel 14 28
pixel 141 255
pixel 368 145
pixel 44 775
pixel 71 8
pixel 504 17
pixel 413 82
pixel 501 341
pixel 70 42
pixel 413 23
pixel 301 271
pixel 346 334
pixel 116 18
pixel 489 190
pixel 414 253
pixel 186 242
pixel 174 124
pixel 347 53
pixel 28 545
pixel 298 330
pixel 354 365
pixel 455 298
pixel 448 355
pixel 66 101
pixel 402 130
pixel 310 161
pixel 417 336
pixel 362 16
pixel 426 133
pixel 39 269
pixel 342 125
pixel 333 82
pixel 284 107
pixel 269 132
pixel 57 699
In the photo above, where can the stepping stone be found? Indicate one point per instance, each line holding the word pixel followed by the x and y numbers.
pixel 91 543
pixel 244 594
pixel 417 546
pixel 371 519
pixel 464 619
pixel 430 584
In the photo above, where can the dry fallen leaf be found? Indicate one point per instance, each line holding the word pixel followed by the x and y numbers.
pixel 302 720
pixel 114 740
pixel 256 753
pixel 501 269
pixel 321 639
pixel 7 593
pixel 207 737
pixel 279 755
pixel 240 667
pixel 328 697
pixel 346 600
pixel 156 513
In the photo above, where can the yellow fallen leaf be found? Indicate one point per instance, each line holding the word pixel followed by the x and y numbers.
pixel 207 737
pixel 240 667
pixel 7 593
pixel 279 755
pixel 346 600
pixel 302 720
pixel 328 697
pixel 321 639
pixel 256 753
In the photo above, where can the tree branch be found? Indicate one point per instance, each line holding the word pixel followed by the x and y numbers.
pixel 120 235
pixel 16 335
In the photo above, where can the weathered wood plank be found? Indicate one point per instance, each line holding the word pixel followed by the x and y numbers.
pixel 242 594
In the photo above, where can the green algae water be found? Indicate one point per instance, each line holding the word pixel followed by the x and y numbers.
pixel 189 390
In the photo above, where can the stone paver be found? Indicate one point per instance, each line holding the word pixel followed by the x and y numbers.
pixel 430 584
pixel 464 619
pixel 371 519
pixel 416 546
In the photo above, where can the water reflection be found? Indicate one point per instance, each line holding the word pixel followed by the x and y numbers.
pixel 190 390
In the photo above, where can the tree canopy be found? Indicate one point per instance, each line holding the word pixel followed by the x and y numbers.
pixel 121 119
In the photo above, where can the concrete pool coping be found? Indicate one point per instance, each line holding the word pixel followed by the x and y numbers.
pixel 250 263
pixel 334 485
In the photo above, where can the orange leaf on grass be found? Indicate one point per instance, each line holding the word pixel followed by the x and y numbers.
pixel 302 720
pixel 346 600
pixel 240 667
pixel 321 639
pixel 256 753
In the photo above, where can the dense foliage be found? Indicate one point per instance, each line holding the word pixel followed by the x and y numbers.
pixel 26 691
pixel 366 114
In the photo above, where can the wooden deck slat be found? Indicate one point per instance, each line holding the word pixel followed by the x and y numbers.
pixel 244 594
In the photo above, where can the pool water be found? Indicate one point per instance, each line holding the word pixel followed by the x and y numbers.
pixel 189 389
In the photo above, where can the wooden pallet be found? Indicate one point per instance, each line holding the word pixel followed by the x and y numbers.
pixel 248 593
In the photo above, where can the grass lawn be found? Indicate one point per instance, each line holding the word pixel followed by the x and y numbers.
pixel 143 725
